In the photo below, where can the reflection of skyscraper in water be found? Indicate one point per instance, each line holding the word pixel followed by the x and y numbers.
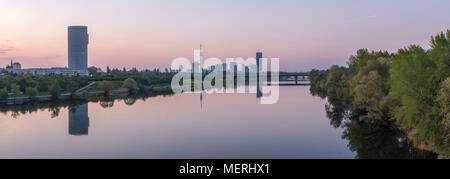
pixel 79 120
pixel 259 56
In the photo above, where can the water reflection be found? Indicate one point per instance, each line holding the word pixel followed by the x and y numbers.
pixel 233 126
pixel 79 120
pixel 370 139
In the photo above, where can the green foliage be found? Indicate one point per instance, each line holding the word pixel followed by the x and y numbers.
pixel 72 87
pixel 4 93
pixel 412 70
pixel 146 77
pixel 370 89
pixel 444 102
pixel 363 57
pixel 93 70
pixel 130 84
pixel 55 89
pixel 41 82
pixel 440 55
pixel 31 92
pixel 410 88
pixel 106 86
pixel 15 90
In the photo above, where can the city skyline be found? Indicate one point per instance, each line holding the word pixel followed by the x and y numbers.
pixel 144 34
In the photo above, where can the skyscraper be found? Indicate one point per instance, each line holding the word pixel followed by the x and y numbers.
pixel 259 56
pixel 78 48
pixel 198 61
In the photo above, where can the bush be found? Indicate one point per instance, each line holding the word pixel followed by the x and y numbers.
pixel 130 84
pixel 54 89
pixel 4 93
pixel 31 92
pixel 15 90
pixel 106 86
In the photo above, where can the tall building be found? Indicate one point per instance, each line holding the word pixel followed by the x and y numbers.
pixel 196 67
pixel 198 60
pixel 78 38
pixel 234 68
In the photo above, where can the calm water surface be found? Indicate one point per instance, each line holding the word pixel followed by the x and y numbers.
pixel 178 126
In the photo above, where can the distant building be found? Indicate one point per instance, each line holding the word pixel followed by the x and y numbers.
pixel 15 65
pixel 198 59
pixel 16 68
pixel 259 56
pixel 247 69
pixel 234 67
pixel 196 67
pixel 253 68
pixel 219 67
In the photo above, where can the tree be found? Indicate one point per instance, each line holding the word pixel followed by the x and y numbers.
pixel 4 93
pixel 410 85
pixel 106 86
pixel 370 89
pixel 440 55
pixel 54 89
pixel 130 84
pixel 93 70
pixel 72 87
pixel 444 102
pixel 108 70
pixel 31 92
pixel 15 90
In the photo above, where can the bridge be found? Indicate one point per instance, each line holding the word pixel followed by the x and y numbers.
pixel 294 77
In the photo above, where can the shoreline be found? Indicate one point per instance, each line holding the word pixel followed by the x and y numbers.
pixel 84 95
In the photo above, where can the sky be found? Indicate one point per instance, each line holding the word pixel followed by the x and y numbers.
pixel 304 34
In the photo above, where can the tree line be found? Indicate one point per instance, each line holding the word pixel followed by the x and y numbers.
pixel 54 85
pixel 32 85
pixel 409 89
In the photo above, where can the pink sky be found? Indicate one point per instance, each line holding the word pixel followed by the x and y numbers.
pixel 150 34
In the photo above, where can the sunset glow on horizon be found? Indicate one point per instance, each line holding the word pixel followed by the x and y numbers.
pixel 151 33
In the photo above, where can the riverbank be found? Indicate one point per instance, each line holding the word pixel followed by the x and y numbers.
pixel 409 89
pixel 86 93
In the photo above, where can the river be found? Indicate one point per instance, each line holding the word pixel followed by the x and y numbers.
pixel 186 126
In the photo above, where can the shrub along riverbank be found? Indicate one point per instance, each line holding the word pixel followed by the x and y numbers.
pixel 409 90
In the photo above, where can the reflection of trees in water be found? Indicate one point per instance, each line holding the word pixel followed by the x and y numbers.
pixel 55 107
pixel 130 101
pixel 106 102
pixel 375 140
pixel 336 114
pixel 371 139
pixel 367 138
pixel 54 111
